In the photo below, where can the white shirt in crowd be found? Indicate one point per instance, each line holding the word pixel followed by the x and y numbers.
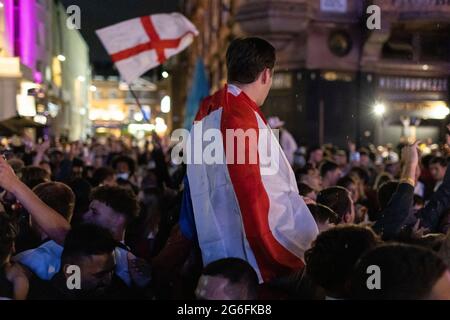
pixel 438 184
pixel 45 261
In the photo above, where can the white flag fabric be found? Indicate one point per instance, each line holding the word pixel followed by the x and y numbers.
pixel 140 44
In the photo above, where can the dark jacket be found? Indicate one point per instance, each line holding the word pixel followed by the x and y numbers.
pixel 393 217
pixel 439 202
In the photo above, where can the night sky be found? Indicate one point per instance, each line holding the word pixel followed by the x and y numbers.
pixel 96 14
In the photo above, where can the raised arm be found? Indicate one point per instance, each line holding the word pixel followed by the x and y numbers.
pixel 52 223
pixel 398 208
pixel 40 151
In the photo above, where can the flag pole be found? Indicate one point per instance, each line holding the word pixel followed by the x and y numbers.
pixel 138 103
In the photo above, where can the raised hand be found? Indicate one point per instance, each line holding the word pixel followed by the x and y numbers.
pixel 43 147
pixel 417 231
pixel 8 179
pixel 410 154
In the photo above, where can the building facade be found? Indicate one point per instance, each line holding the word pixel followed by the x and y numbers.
pixel 71 78
pixel 22 54
pixel 336 78
pixel 44 66
pixel 114 109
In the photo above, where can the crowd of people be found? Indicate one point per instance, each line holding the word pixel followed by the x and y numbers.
pixel 112 209
pixel 108 218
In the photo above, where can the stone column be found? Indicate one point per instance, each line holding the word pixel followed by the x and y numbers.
pixel 8 93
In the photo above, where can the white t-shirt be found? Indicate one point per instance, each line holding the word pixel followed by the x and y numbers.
pixel 45 261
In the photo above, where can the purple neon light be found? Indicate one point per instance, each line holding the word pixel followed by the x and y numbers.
pixel 28 25
pixel 38 77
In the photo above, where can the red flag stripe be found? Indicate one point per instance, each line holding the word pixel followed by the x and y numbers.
pixel 272 257
pixel 162 44
pixel 153 35
pixel 128 53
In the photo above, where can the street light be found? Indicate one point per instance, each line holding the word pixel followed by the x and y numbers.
pixel 160 125
pixel 165 104
pixel 93 88
pixel 61 57
pixel 440 111
pixel 40 119
pixel 165 74
pixel 138 116
pixel 379 109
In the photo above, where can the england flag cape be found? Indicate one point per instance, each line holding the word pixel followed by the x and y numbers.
pixel 249 210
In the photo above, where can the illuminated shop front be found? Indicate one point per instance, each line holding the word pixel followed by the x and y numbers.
pixel 114 110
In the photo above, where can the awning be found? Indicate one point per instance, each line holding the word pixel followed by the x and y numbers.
pixel 18 123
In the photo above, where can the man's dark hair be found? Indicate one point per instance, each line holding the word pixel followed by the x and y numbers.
pixel 57 196
pixel 362 174
pixel 78 162
pixel 87 240
pixel 299 173
pixel 236 271
pixel 327 166
pixel 82 190
pixel 364 152
pixel 337 199
pixel 101 174
pixel 322 213
pixel 56 152
pixel 311 149
pixel 346 181
pixel 407 272
pixel 120 199
pixel 386 192
pixel 425 161
pixel 126 159
pixel 439 160
pixel 381 179
pixel 32 176
pixel 331 259
pixel 8 234
pixel 247 58
pixel 304 189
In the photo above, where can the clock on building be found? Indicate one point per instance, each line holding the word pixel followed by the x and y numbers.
pixel 340 43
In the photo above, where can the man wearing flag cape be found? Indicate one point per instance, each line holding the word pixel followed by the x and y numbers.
pixel 247 206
